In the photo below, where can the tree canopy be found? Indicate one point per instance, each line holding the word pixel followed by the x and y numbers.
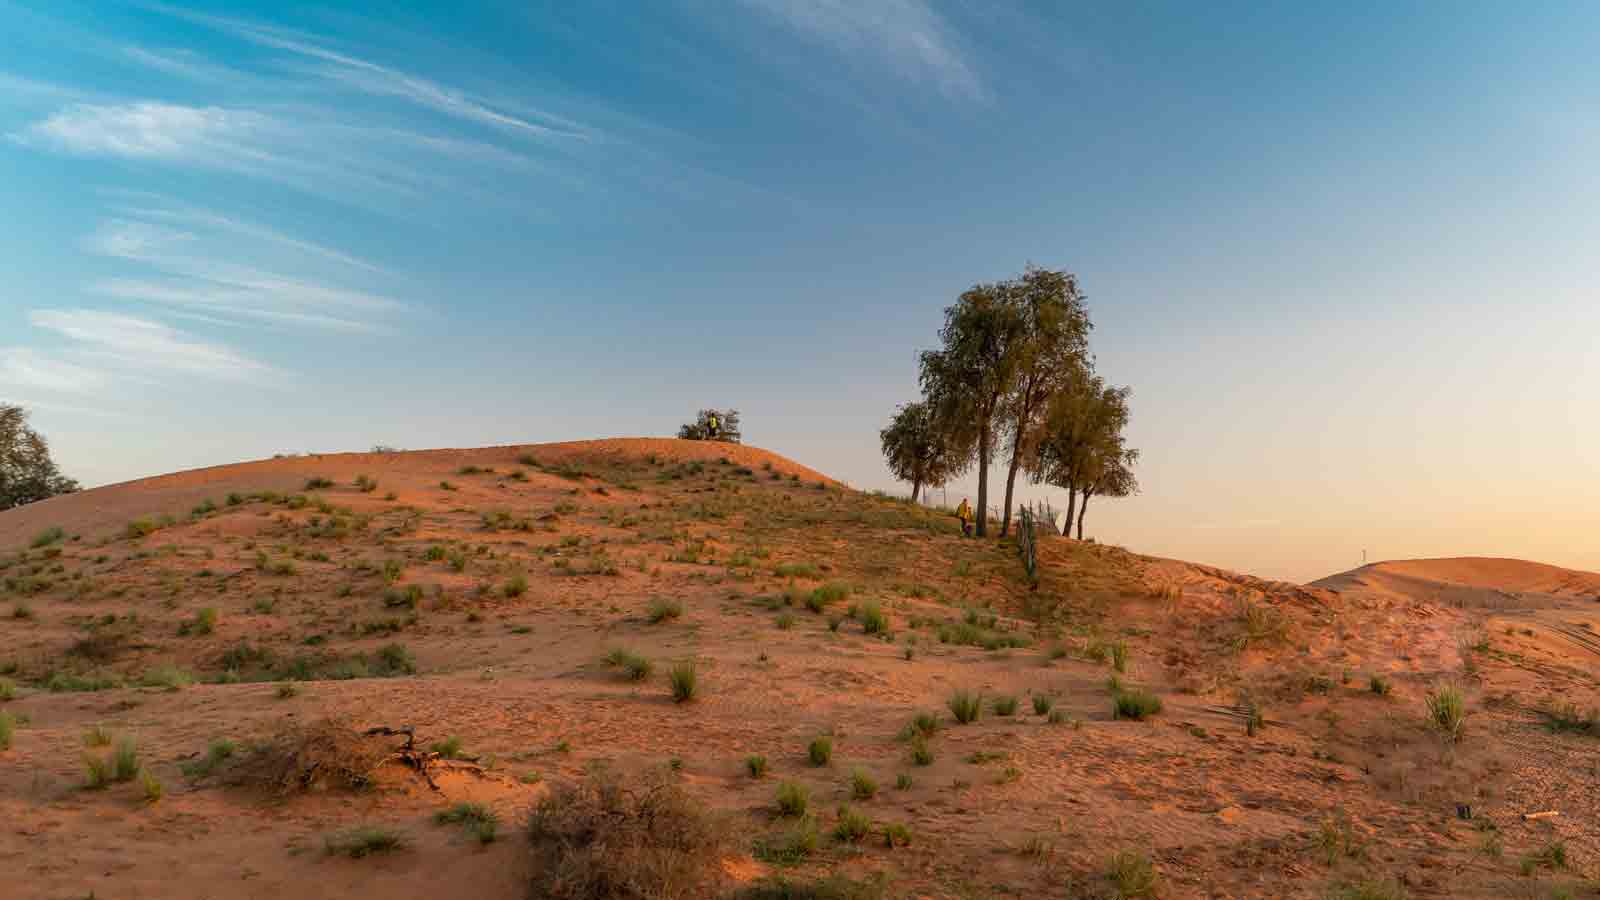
pixel 700 428
pixel 27 473
pixel 918 452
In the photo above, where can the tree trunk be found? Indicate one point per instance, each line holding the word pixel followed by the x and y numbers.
pixel 1081 510
pixel 1011 479
pixel 1072 510
pixel 916 488
pixel 983 480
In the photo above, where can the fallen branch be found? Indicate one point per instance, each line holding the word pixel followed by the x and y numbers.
pixel 1547 814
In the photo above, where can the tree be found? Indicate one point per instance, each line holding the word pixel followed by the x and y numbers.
pixel 967 380
pixel 1052 350
pixel 1082 431
pixel 1112 477
pixel 27 473
pixel 917 452
pixel 700 428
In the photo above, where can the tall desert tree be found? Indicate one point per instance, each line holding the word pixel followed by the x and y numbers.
pixel 918 452
pixel 1052 351
pixel 27 473
pixel 969 377
pixel 1082 427
pixel 1110 475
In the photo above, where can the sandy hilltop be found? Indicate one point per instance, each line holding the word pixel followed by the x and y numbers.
pixel 190 664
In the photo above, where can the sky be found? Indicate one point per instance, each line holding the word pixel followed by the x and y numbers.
pixel 1344 254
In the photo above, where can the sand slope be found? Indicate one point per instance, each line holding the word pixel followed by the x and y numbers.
pixel 505 584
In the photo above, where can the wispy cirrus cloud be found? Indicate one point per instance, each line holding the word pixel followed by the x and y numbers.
pixel 145 344
pixel 198 278
pixel 380 80
pixel 153 130
pixel 908 36
pixel 30 368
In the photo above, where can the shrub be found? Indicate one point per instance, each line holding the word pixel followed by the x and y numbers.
pixel 395 659
pixel 125 760
pixel 1369 890
pixel 167 676
pixel 205 621
pixel 820 752
pixel 663 608
pixel 1446 710
pixel 872 618
pixel 1005 706
pixel 636 667
pixel 862 785
pixel 318 483
pixel 365 484
pixel 852 827
pixel 903 782
pixel 1042 704
pixel 602 840
pixel 1559 718
pixel 793 798
pixel 8 730
pixel 287 690
pixel 924 724
pixel 832 592
pixel 98 736
pixel 449 748
pixel 150 786
pixel 757 765
pixel 218 752
pixel 47 537
pixel 517 585
pixel 684 680
pixel 1119 656
pixel 97 771
pixel 364 841
pixel 792 847
pixel 479 821
pixel 966 706
pixel 833 887
pixel 785 621
pixel 1135 704
pixel 1132 875
pixel 8 690
pixel 1379 685
pixel 921 752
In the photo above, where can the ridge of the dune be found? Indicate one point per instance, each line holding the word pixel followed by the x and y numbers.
pixel 1478 572
pixel 110 506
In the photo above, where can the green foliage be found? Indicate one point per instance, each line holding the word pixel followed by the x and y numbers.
pixel 1135 704
pixel 920 751
pixel 663 608
pixel 27 473
pixel 150 786
pixel 684 680
pixel 862 785
pixel 966 706
pixel 125 760
pixel 364 841
pixel 480 822
pixel 793 798
pixel 757 765
pixel 47 537
pixel 1042 704
pixel 1564 717
pixel 1447 710
pixel 1132 875
pixel 1004 706
pixel 820 751
pixel 517 585
pixel 851 827
pixel 791 847
pixel 917 450
pixel 636 667
pixel 8 730
pixel 1379 685
pixel 449 748
pixel 872 618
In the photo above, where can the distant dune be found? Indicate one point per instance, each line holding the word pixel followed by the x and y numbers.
pixel 1432 578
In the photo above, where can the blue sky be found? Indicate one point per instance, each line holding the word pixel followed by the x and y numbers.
pixel 1344 257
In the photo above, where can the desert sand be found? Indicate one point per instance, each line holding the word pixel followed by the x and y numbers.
pixel 507 574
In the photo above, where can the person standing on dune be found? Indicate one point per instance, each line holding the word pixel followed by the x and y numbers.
pixel 964 513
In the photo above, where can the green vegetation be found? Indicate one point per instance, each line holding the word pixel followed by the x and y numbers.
pixel 966 706
pixel 684 680
pixel 793 798
pixel 480 822
pixel 820 751
pixel 364 841
pixel 663 608
pixel 1135 704
pixel 636 667
pixel 1446 710
pixel 862 785
pixel 757 765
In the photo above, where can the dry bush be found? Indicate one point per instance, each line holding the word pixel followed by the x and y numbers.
pixel 326 753
pixel 604 839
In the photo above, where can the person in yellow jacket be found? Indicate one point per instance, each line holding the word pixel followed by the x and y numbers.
pixel 964 513
pixel 713 427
